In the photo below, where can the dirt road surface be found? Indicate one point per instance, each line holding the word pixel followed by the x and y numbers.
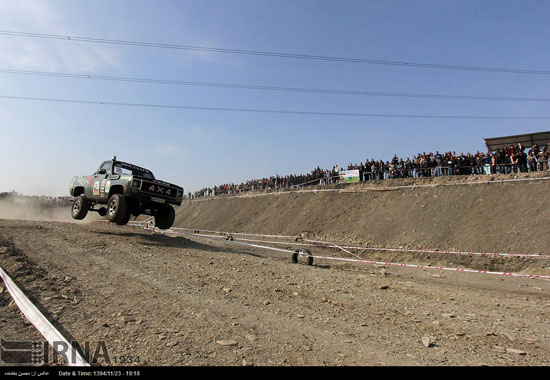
pixel 159 300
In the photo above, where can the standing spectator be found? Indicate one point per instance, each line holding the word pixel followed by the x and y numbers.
pixel 479 157
pixel 542 159
pixel 368 170
pixel 450 164
pixel 511 159
pixel 514 161
pixel 408 167
pixel 414 167
pixel 522 161
pixel 487 163
pixel 532 161
pixel 438 163
pixel 401 169
pixel 374 170
pixel 460 164
pixel 335 174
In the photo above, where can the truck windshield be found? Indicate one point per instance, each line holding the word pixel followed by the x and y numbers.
pixel 124 168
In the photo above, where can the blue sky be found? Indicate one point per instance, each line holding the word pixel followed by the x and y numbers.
pixel 43 144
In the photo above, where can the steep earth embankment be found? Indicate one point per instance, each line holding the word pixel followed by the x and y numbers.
pixel 502 216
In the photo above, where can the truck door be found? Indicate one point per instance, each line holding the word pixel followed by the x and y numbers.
pixel 100 179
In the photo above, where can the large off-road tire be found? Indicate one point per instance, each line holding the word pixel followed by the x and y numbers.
pixel 117 209
pixel 165 217
pixel 80 208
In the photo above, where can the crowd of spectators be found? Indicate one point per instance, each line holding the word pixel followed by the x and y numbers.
pixel 512 159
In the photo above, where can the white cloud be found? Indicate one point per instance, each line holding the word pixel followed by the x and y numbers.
pixel 184 58
pixel 27 53
pixel 35 13
pixel 171 150
pixel 196 128
pixel 168 149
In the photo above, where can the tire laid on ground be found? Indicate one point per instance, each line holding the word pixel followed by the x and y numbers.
pixel 80 208
pixel 165 217
pixel 117 209
pixel 302 252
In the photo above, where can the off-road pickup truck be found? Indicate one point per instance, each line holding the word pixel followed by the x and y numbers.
pixel 125 190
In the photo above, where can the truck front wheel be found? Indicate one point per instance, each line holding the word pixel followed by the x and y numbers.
pixel 81 205
pixel 117 209
pixel 165 217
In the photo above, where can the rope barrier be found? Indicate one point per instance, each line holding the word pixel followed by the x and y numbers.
pixel 432 267
pixel 344 247
pixel 309 256
pixel 72 357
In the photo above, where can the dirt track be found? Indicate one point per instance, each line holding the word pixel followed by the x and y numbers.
pixel 175 300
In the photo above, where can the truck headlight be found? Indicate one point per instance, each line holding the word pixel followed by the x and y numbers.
pixel 136 183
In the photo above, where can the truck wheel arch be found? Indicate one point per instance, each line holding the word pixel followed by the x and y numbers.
pixel 79 190
pixel 116 189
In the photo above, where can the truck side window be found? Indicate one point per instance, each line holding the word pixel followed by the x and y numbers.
pixel 122 171
pixel 107 167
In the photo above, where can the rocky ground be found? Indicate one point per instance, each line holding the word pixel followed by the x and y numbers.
pixel 159 300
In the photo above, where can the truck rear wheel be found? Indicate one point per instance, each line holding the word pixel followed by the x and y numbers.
pixel 80 208
pixel 165 217
pixel 117 209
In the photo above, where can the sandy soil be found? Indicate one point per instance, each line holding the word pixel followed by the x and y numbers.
pixel 187 300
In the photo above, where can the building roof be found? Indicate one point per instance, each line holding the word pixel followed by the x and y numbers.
pixel 528 140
